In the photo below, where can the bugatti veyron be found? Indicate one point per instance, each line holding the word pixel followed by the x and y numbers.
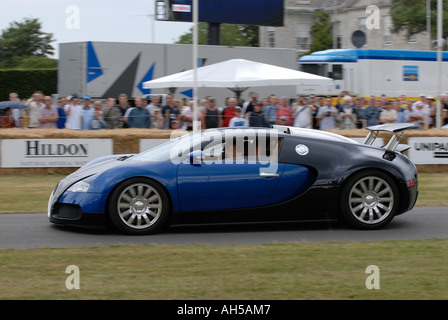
pixel 243 175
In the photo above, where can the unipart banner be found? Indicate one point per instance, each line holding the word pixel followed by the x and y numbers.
pixel 428 150
pixel 33 153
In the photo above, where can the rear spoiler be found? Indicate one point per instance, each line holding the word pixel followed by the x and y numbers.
pixel 397 129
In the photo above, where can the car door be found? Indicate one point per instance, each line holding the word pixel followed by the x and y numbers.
pixel 229 176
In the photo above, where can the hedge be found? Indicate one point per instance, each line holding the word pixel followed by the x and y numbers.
pixel 25 82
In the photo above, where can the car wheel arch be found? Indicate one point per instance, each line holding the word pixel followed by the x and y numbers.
pixel 390 174
pixel 352 179
pixel 366 169
pixel 170 199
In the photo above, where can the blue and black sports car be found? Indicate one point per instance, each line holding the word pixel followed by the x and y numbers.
pixel 243 175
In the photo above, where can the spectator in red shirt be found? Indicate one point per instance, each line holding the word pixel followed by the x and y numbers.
pixel 284 111
pixel 7 121
pixel 229 112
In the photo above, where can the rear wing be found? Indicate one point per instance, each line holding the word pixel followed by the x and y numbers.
pixel 397 129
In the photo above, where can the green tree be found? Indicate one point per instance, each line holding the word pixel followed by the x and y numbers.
pixel 24 39
pixel 410 16
pixel 250 34
pixel 321 32
pixel 187 38
pixel 231 35
pixel 33 63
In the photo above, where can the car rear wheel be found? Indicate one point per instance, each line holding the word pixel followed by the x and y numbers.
pixel 369 200
pixel 139 206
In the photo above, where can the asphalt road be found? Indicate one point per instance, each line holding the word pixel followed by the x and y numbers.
pixel 23 231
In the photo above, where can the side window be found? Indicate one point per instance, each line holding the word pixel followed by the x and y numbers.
pixel 227 151
pixel 314 68
pixel 243 150
pixel 337 72
pixel 238 150
pixel 214 153
pixel 267 149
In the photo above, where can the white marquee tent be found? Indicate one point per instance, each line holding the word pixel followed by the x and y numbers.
pixel 237 73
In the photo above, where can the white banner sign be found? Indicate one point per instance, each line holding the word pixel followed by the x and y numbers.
pixel 33 153
pixel 429 150
pixel 181 8
pixel 146 144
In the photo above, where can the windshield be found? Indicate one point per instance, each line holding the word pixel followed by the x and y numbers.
pixel 175 149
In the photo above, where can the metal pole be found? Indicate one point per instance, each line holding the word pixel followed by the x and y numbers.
pixel 196 125
pixel 153 27
pixel 439 61
pixel 428 23
pixel 334 24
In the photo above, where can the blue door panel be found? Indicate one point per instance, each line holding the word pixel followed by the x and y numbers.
pixel 295 180
pixel 224 186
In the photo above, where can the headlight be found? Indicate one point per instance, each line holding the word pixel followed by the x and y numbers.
pixel 51 200
pixel 80 186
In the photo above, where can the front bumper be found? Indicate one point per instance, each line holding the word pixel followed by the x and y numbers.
pixel 77 208
pixel 70 215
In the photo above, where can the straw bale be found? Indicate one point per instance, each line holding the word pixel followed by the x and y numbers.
pixel 127 141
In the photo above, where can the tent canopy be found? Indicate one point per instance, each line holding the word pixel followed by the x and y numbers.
pixel 237 73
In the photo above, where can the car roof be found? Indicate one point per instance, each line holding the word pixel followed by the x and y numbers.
pixel 289 131
pixel 318 134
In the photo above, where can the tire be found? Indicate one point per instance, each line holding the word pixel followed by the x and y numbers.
pixel 370 200
pixel 139 206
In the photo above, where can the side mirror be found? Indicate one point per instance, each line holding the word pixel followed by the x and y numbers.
pixel 196 157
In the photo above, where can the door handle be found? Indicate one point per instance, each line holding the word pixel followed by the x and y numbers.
pixel 268 175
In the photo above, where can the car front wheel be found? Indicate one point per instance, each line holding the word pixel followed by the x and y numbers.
pixel 369 200
pixel 139 206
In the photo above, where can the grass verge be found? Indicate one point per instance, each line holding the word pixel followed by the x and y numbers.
pixel 412 269
pixel 26 194
pixel 407 270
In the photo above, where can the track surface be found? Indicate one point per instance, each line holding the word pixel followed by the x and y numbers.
pixel 24 231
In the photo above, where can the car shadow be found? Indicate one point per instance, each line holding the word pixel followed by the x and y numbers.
pixel 331 225
pixel 257 227
pixel 213 228
pixel 84 230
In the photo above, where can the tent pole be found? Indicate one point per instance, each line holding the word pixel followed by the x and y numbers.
pixel 196 123
pixel 439 61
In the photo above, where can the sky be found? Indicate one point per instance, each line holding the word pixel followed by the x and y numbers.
pixel 93 20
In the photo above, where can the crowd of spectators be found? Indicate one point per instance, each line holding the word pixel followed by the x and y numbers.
pixel 342 112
